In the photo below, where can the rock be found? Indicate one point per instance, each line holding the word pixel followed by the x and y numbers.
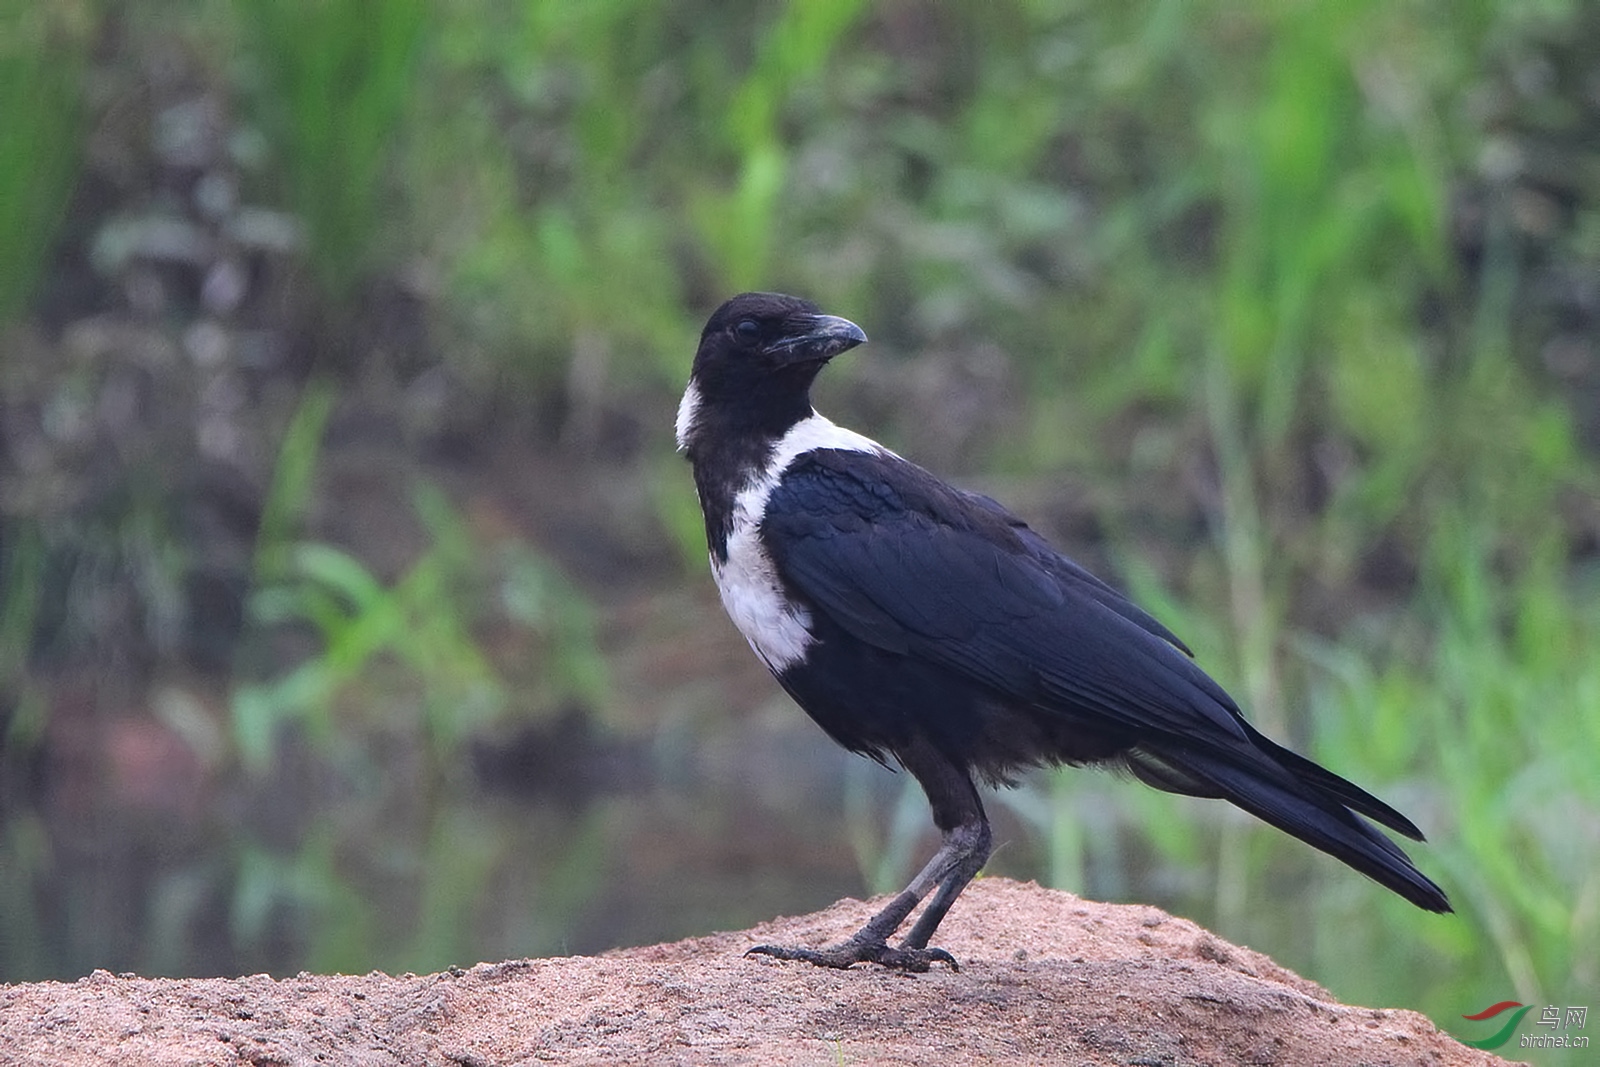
pixel 1046 978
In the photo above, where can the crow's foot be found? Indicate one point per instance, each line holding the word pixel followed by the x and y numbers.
pixel 861 951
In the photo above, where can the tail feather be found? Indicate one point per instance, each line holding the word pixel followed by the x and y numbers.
pixel 1300 798
pixel 1323 780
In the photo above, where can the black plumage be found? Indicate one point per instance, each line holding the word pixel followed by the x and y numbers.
pixel 919 622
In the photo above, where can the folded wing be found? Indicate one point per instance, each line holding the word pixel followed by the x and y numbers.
pixel 910 565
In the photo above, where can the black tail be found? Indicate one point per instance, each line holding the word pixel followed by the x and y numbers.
pixel 1300 798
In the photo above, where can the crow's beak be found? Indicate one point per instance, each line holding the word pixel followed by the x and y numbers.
pixel 817 338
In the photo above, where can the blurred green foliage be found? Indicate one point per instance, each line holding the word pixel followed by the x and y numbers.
pixel 423 624
pixel 1470 711
pixel 336 80
pixel 1280 283
pixel 44 50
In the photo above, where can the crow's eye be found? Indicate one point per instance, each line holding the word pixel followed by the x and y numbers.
pixel 748 330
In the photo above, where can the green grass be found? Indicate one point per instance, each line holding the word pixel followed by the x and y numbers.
pixel 409 652
pixel 43 56
pixel 336 79
pixel 1490 720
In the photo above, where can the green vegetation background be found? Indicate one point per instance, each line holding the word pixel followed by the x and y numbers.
pixel 1288 308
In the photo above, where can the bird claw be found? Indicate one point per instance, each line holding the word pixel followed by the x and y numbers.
pixel 914 960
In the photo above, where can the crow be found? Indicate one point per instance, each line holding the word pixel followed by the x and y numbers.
pixel 914 620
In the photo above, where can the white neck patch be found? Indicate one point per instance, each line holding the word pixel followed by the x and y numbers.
pixel 688 409
pixel 778 629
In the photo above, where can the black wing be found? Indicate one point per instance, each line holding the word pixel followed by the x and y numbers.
pixel 905 562
pixel 900 560
pixel 1069 573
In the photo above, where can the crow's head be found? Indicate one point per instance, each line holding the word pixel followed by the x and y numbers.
pixel 765 334
pixel 758 355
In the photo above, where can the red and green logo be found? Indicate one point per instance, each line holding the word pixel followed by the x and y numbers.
pixel 1504 1033
pixel 1562 1026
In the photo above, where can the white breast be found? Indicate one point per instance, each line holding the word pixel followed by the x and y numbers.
pixel 779 631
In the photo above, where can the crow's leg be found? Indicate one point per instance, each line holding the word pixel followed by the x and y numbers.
pixel 958 813
pixel 969 844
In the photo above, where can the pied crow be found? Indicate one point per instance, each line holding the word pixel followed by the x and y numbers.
pixel 918 621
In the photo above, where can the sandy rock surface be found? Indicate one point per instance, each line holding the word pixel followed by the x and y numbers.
pixel 1046 978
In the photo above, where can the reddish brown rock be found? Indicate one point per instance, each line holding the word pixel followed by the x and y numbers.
pixel 1046 978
